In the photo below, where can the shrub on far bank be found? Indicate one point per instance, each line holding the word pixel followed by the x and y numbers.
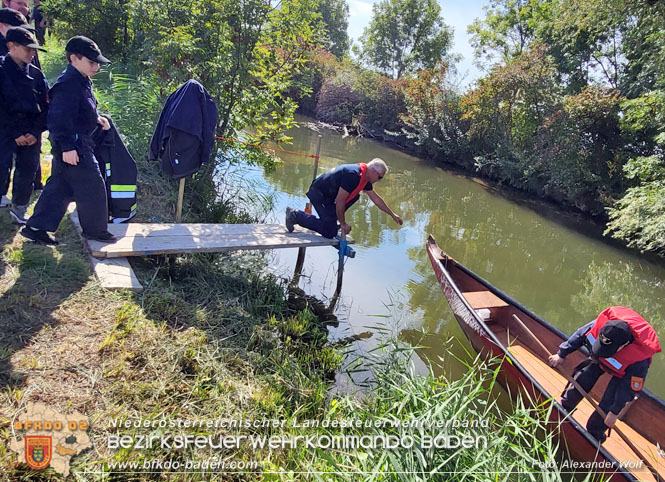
pixel 339 101
pixel 579 150
pixel 433 118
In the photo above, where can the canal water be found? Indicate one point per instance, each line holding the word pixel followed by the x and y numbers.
pixel 555 263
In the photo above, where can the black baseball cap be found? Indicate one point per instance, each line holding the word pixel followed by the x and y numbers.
pixel 86 47
pixel 23 37
pixel 14 18
pixel 612 336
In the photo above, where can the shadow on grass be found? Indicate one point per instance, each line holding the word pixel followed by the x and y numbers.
pixel 34 282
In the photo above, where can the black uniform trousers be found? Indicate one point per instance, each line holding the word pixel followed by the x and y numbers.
pixel 587 378
pixel 26 164
pixel 82 184
pixel 326 223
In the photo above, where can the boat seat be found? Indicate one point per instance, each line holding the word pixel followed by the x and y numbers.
pixel 483 299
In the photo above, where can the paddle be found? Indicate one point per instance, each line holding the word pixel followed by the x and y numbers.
pixel 600 411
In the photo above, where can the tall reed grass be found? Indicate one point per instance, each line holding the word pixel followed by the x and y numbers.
pixel 403 403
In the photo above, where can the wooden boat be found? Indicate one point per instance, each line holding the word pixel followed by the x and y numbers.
pixel 486 317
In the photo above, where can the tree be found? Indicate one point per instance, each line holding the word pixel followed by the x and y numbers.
pixel 405 36
pixel 583 37
pixel 105 21
pixel 580 150
pixel 507 108
pixel 504 33
pixel 335 16
pixel 644 47
pixel 433 117
pixel 639 217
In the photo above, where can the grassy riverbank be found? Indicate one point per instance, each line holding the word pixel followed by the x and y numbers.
pixel 213 337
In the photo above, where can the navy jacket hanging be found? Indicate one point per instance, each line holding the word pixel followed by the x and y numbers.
pixel 185 134
pixel 119 170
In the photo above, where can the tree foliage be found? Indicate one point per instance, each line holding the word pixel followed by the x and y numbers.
pixel 639 216
pixel 503 34
pixel 509 105
pixel 247 53
pixel 335 16
pixel 580 150
pixel 405 36
pixel 105 21
pixel 433 115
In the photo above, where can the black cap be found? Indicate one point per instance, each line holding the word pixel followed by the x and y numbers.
pixel 23 37
pixel 612 336
pixel 14 18
pixel 86 47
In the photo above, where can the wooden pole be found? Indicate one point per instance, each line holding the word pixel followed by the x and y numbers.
pixel 600 411
pixel 300 260
pixel 181 195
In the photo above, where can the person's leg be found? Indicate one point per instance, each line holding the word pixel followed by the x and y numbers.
pixel 52 203
pixel 586 378
pixel 27 160
pixel 326 222
pixel 38 184
pixel 7 151
pixel 90 195
pixel 596 424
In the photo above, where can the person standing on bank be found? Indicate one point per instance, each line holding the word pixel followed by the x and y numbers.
pixel 72 118
pixel 336 191
pixel 23 107
pixel 10 18
pixel 620 343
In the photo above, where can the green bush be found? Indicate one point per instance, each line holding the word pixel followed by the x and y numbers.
pixel 579 150
pixel 339 100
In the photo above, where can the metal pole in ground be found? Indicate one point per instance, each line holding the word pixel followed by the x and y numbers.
pixel 300 261
pixel 181 194
pixel 340 270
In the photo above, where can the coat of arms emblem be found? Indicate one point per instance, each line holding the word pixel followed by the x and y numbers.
pixel 38 451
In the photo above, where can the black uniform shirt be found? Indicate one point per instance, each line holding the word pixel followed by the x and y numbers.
pixel 23 99
pixel 346 176
pixel 72 114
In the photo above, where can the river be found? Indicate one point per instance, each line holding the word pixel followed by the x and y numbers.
pixel 555 263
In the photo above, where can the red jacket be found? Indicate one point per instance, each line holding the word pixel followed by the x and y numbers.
pixel 644 346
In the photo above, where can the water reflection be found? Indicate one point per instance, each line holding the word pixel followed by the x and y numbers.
pixel 556 264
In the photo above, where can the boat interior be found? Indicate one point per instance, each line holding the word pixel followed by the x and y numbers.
pixel 643 423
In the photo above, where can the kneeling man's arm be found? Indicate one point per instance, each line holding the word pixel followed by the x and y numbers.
pixel 381 204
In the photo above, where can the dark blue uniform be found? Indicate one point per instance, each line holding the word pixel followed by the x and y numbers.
pixel 618 392
pixel 72 118
pixel 4 50
pixel 23 107
pixel 323 192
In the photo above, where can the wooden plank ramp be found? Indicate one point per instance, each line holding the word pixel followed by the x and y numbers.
pixel 136 239
pixel 113 274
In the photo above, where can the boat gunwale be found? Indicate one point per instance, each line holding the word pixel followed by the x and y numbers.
pixel 563 413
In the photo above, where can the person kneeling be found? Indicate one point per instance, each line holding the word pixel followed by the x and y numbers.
pixel 336 191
